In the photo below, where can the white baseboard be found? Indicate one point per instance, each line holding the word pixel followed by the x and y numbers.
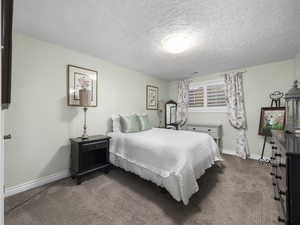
pixel 36 183
pixel 65 173
pixel 252 156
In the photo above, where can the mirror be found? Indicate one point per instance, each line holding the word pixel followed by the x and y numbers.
pixel 170 114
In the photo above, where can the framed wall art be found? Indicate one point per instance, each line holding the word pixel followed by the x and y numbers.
pixel 151 97
pixel 79 78
pixel 271 118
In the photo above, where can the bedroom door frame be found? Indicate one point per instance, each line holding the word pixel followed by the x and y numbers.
pixel 1 145
pixel 2 189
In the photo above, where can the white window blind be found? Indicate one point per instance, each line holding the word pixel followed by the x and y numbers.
pixel 215 95
pixel 196 97
pixel 207 96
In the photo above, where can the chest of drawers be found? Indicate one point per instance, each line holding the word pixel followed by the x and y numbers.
pixel 214 130
pixel 285 176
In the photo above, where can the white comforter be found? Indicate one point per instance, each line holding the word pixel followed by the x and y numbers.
pixel 172 159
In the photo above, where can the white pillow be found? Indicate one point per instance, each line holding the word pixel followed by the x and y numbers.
pixel 130 123
pixel 116 119
pixel 144 121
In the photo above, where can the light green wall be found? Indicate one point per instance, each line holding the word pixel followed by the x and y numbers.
pixel 41 123
pixel 259 82
pixel 39 119
pixel 297 66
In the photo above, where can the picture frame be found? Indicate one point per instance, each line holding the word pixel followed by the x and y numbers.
pixel 78 78
pixel 271 118
pixel 151 97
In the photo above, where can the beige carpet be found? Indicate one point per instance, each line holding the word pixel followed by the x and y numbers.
pixel 239 194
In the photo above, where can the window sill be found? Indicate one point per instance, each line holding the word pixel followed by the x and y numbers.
pixel 219 109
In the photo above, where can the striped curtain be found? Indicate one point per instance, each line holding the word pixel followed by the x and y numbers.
pixel 236 110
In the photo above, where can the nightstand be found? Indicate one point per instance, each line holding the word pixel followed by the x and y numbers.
pixel 89 155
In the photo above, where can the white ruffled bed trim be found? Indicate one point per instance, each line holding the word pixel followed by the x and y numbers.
pixel 174 184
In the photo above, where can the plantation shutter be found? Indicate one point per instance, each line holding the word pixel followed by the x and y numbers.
pixel 215 95
pixel 196 97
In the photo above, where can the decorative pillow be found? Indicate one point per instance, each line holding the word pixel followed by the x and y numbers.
pixel 144 122
pixel 116 122
pixel 130 123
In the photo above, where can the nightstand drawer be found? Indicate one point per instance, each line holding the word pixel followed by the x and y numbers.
pixel 211 131
pixel 94 146
pixel 202 129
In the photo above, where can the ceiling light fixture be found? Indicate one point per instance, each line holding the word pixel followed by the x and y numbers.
pixel 176 43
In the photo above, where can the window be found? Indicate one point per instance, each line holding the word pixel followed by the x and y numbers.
pixel 207 96
pixel 196 97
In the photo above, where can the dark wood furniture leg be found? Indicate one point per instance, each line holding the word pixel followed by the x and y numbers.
pixel 79 180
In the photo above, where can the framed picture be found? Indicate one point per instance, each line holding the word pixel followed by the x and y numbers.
pixel 79 78
pixel 151 97
pixel 271 118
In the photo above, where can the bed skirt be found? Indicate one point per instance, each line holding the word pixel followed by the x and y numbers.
pixel 173 183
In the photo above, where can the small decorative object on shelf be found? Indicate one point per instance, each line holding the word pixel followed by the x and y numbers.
pixel 292 98
pixel 276 97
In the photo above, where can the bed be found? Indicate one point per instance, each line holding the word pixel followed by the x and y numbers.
pixel 169 158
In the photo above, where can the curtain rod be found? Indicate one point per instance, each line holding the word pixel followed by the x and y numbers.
pixel 222 74
pixel 244 71
pixel 230 71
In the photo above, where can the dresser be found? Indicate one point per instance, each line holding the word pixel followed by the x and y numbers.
pixel 89 155
pixel 285 163
pixel 214 130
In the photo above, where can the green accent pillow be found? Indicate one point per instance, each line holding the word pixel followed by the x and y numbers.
pixel 144 122
pixel 130 123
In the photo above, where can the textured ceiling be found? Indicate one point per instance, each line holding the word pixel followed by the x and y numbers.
pixel 229 33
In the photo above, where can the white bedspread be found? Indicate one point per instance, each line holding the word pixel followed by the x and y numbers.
pixel 172 159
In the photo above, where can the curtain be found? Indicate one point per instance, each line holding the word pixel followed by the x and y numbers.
pixel 236 110
pixel 183 101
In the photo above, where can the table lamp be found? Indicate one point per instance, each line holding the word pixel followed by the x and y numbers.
pixel 85 101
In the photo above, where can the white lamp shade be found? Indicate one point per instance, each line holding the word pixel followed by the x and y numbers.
pixel 84 97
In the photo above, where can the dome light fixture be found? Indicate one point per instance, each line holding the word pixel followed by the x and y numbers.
pixel 176 43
